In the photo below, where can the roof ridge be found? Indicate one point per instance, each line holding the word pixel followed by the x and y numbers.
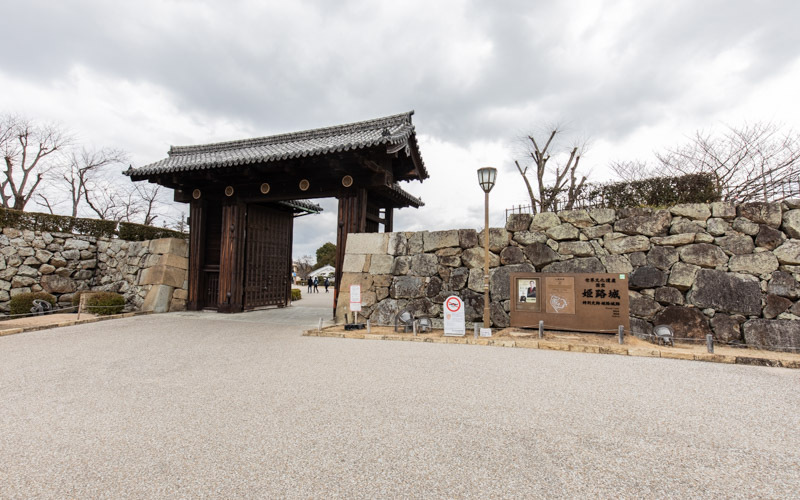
pixel 400 118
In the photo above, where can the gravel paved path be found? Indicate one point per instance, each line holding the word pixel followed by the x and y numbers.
pixel 207 405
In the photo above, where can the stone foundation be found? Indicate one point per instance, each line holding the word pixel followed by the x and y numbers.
pixel 731 271
pixel 63 263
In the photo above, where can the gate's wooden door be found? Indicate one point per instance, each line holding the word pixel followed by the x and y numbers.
pixel 268 258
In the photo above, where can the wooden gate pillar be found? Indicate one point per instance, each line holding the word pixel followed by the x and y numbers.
pixel 231 263
pixel 352 219
pixel 197 236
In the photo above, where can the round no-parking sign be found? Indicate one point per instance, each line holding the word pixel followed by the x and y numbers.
pixel 454 316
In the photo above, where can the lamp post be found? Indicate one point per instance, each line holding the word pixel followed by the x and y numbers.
pixel 486 178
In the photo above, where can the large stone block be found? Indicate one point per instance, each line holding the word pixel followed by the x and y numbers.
pixel 563 232
pixel 27 271
pixel 578 218
pixel 518 222
pixel 577 265
pixel 642 306
pixel 163 275
pixel 628 244
pixel 474 257
pixel 662 257
pixel 617 264
pixel 398 244
pixel 726 292
pixel 354 263
pixel 648 225
pixel 53 283
pixel 76 244
pixel 687 322
pixel 543 221
pixel 475 281
pixel 772 334
pixel 500 280
pixel 769 238
pixel 703 255
pixel 784 284
pixel 170 259
pixel 512 255
pixel 789 252
pixel 674 240
pixel 435 240
pixel 175 246
pixel 498 239
pixel 694 211
pixel 755 263
pixel 736 244
pixel 158 299
pixel 367 243
pixel 682 275
pixel 682 226
pixel 775 305
pixel 381 264
pixel 458 278
pixel 668 295
pixel 727 328
pixel 723 209
pixel 467 238
pixel 761 213
pixel 595 232
pixel 408 287
pixel 424 265
pixel 576 248
pixel 647 277
pixel 540 254
pixel 385 312
pixel 602 215
pixel 745 226
pixel 717 227
pixel 791 223
pixel 528 237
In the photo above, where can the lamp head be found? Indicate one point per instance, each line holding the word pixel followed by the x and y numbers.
pixel 486 178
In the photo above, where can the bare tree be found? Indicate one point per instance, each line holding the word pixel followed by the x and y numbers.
pixel 750 162
pixel 565 187
pixel 304 265
pixel 82 169
pixel 632 170
pixel 28 151
pixel 149 200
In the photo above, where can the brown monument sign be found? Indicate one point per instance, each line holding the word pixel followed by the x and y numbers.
pixel 581 302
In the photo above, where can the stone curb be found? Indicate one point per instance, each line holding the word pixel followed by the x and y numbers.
pixel 12 331
pixel 563 346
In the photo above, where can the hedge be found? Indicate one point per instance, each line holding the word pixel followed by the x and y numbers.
pixel 296 294
pixel 98 228
pixel 105 303
pixel 23 302
pixel 658 191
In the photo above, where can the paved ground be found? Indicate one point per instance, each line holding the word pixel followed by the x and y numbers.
pixel 207 405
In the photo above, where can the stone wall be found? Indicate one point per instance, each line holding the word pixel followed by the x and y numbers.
pixel 151 275
pixel 731 271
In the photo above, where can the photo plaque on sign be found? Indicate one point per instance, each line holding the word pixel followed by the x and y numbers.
pixel 584 302
pixel 527 296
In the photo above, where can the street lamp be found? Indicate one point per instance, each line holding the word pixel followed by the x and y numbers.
pixel 486 178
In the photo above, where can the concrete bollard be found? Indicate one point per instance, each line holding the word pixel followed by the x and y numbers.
pixel 475 333
pixel 319 325
pixel 621 334
pixel 541 329
pixel 368 328
pixel 710 343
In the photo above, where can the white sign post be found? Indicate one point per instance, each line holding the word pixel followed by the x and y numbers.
pixel 355 298
pixel 454 317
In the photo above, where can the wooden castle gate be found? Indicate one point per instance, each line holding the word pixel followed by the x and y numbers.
pixel 244 195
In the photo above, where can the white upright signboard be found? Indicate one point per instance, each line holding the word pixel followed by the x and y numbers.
pixel 454 317
pixel 355 297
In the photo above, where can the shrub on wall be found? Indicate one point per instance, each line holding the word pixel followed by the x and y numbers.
pixel 23 302
pixel 105 303
pixel 34 221
pixel 658 191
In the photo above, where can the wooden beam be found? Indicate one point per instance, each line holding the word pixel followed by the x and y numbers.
pixel 197 237
pixel 231 265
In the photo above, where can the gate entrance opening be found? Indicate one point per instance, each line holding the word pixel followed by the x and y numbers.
pixel 244 195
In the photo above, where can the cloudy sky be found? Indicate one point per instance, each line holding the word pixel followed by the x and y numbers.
pixel 631 77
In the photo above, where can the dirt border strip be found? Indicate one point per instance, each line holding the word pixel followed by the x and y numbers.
pixel 12 331
pixel 563 346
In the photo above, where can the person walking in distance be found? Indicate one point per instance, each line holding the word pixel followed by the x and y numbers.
pixel 316 284
pixel 310 284
pixel 327 284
